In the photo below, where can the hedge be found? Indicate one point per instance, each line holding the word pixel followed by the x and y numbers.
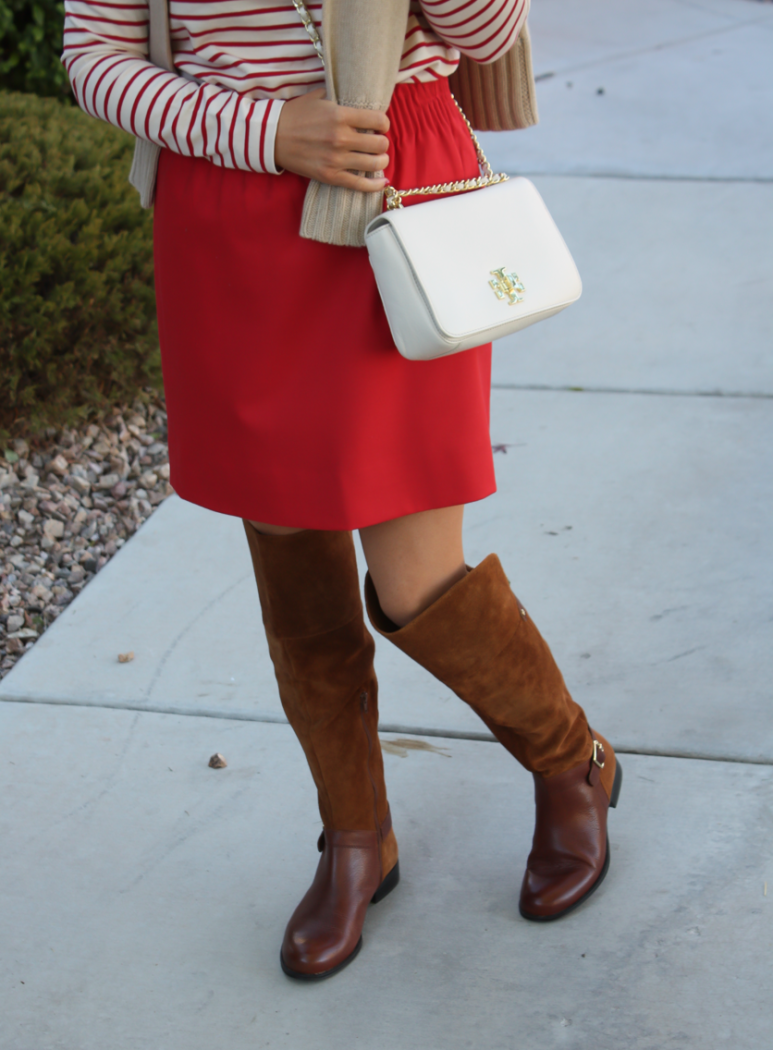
pixel 77 306
pixel 30 46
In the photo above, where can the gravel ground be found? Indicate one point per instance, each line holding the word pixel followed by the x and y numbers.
pixel 66 506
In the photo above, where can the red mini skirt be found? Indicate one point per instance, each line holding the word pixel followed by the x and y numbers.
pixel 288 402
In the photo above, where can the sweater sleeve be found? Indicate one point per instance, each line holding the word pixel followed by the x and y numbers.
pixel 481 29
pixel 106 58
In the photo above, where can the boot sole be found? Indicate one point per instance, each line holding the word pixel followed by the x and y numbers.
pixel 385 888
pixel 615 795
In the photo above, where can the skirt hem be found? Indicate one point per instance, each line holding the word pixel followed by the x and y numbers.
pixel 325 523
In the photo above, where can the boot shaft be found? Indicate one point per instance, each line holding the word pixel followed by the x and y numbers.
pixel 323 660
pixel 479 640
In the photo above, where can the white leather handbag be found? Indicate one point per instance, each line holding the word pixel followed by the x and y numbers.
pixel 461 271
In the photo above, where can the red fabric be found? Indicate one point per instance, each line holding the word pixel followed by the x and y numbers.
pixel 288 402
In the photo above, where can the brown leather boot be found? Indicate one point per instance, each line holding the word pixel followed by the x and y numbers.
pixel 570 852
pixel 479 640
pixel 323 660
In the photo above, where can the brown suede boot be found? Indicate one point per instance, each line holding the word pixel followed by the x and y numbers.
pixel 323 660
pixel 479 640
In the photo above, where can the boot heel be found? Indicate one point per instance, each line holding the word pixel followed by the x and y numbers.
pixel 387 885
pixel 617 784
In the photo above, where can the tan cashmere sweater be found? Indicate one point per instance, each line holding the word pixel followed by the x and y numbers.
pixel 362 41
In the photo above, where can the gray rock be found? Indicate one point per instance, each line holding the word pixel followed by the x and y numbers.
pixel 25 633
pixel 53 529
pixel 80 484
pixel 43 593
pixel 59 465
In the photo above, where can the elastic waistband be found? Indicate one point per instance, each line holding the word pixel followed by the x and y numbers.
pixel 422 94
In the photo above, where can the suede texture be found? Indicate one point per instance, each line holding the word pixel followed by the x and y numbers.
pixel 607 776
pixel 481 642
pixel 323 659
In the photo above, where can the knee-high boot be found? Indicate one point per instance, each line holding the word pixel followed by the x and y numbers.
pixel 480 641
pixel 323 660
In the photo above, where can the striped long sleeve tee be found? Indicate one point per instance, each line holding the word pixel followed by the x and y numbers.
pixel 238 61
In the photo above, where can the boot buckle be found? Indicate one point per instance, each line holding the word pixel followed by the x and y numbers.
pixel 599 756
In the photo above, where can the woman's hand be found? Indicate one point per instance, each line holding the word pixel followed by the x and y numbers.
pixel 323 141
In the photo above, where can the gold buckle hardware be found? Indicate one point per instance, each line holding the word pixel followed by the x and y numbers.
pixel 506 285
pixel 597 746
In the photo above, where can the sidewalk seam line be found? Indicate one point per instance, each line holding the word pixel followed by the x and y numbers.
pixel 384 727
pixel 762 180
pixel 645 391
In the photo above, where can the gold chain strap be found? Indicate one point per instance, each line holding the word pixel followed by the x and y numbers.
pixel 488 178
pixel 394 197
pixel 311 29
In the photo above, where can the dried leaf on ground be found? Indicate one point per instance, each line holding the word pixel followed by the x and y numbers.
pixel 402 745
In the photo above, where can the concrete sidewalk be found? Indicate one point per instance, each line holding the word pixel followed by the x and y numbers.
pixel 144 895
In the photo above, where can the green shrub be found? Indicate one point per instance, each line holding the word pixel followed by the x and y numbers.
pixel 30 46
pixel 77 306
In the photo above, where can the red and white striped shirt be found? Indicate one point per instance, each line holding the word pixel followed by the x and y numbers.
pixel 238 60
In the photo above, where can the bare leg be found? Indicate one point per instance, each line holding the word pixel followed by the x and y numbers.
pixel 274 530
pixel 414 560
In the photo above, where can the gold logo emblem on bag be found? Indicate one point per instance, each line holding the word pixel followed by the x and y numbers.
pixel 506 285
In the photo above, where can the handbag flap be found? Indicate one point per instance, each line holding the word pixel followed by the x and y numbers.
pixel 476 257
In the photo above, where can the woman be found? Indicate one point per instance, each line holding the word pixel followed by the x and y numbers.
pixel 277 347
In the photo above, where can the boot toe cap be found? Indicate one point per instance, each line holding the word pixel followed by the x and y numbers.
pixel 547 895
pixel 317 953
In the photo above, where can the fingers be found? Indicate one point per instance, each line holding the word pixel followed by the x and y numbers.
pixel 359 143
pixel 335 144
pixel 363 161
pixel 351 181
pixel 369 119
pixel 377 145
pixel 349 138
